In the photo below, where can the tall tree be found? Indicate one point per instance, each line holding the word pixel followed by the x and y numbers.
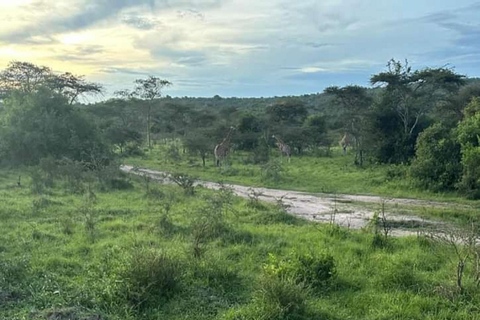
pixel 73 86
pixel 413 94
pixel 354 102
pixel 23 76
pixel 148 89
pixel 27 78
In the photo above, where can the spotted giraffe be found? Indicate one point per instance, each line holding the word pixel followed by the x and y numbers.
pixel 345 142
pixel 221 150
pixel 283 147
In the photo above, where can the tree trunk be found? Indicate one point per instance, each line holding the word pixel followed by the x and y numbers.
pixel 148 126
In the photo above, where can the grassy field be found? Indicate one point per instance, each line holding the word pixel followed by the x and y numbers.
pixel 151 252
pixel 335 174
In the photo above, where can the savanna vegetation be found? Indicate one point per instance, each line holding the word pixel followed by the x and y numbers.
pixel 81 240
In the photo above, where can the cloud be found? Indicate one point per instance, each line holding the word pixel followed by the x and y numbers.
pixel 142 23
pixel 86 13
pixel 244 47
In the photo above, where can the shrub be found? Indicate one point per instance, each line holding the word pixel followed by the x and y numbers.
pixel 208 224
pixel 314 270
pixel 111 178
pixel 400 276
pixel 38 184
pixel 73 174
pixel 173 154
pixel 149 276
pixel 184 181
pixel 272 171
pixel 278 298
pixel 437 162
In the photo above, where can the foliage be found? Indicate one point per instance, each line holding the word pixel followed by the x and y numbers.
pixel 469 138
pixel 199 142
pixel 28 78
pixel 407 99
pixel 42 124
pixel 437 163
pixel 150 275
pixel 272 171
pixel 312 269
pixel 186 182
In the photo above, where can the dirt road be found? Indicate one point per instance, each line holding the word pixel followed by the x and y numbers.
pixel 353 211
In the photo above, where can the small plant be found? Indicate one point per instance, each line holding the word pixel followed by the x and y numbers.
pixel 39 204
pixel 208 224
pixel 68 226
pixel 386 227
pixel 465 245
pixel 165 224
pixel 278 298
pixel 149 276
pixel 226 196
pixel 312 270
pixel 380 226
pixel 146 180
pixel 186 182
pixel 89 222
pixel 272 171
pixel 254 199
pixel 334 211
pixel 281 205
pixel 73 175
pixel 37 185
pixel 172 154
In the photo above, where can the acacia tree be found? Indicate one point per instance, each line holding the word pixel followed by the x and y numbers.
pixel 413 94
pixel 355 103
pixel 73 86
pixel 23 76
pixel 27 78
pixel 146 89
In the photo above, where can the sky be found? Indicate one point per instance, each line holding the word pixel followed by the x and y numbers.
pixel 245 48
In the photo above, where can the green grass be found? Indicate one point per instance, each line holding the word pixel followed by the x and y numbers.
pixel 121 257
pixel 336 174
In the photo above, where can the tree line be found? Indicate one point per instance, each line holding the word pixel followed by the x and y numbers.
pixel 426 119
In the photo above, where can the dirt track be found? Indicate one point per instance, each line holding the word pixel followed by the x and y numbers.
pixel 345 210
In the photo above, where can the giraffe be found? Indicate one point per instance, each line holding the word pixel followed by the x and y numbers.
pixel 221 150
pixel 283 147
pixel 346 142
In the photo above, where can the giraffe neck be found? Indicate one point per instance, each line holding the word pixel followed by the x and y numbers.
pixel 226 141
pixel 279 141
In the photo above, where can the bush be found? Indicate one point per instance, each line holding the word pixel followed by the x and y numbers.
pixel 314 270
pixel 207 225
pixel 149 276
pixel 43 124
pixel 400 276
pixel 469 137
pixel 437 163
pixel 184 181
pixel 272 171
pixel 278 298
